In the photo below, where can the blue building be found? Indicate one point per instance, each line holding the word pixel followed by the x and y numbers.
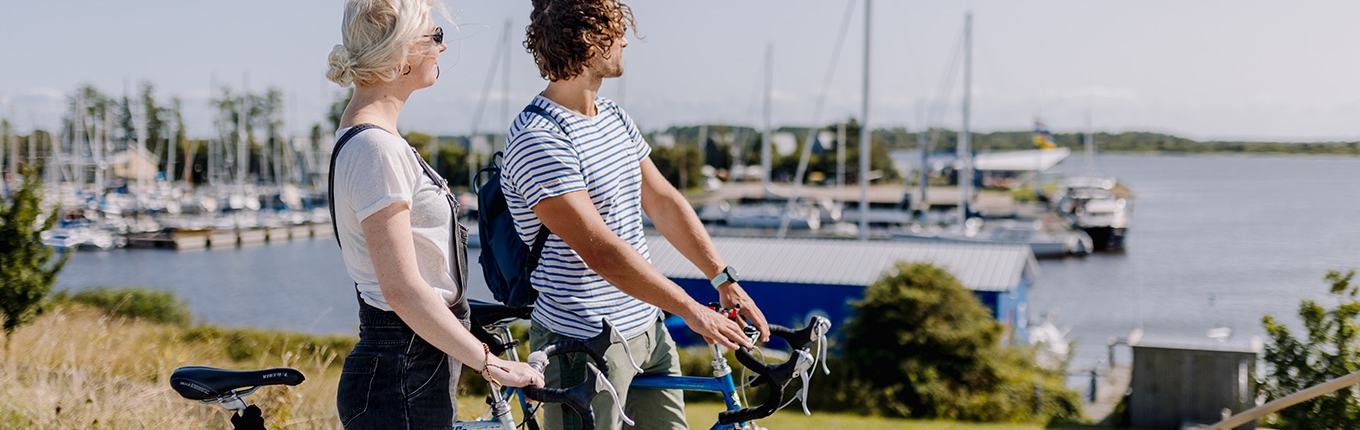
pixel 793 278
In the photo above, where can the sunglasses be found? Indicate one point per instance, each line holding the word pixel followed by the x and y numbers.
pixel 438 36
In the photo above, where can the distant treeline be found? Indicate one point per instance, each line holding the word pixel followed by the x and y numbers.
pixel 898 138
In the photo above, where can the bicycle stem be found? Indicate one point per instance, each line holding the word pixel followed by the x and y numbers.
pixel 720 367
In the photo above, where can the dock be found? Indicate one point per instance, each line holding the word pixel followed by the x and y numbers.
pixel 185 240
pixel 994 202
pixel 1113 385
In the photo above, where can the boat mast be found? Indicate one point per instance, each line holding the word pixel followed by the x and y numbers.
pixel 965 153
pixel 1090 150
pixel 765 156
pixel 242 145
pixel 864 133
pixel 922 172
pixel 172 139
pixel 502 47
pixel 840 161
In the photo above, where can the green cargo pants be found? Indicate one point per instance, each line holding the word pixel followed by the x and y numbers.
pixel 654 351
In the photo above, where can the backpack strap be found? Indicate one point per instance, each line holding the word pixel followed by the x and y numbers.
pixel 541 239
pixel 330 188
pixel 536 250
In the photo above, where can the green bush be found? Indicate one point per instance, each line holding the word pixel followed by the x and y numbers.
pixel 1330 349
pixel 28 268
pixel 136 302
pixel 922 346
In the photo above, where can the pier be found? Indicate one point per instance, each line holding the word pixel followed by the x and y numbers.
pixel 184 240
pixel 939 197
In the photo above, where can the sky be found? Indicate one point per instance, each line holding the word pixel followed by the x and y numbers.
pixel 1225 70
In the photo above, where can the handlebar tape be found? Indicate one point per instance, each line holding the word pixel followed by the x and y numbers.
pixel 577 398
pixel 778 376
pixel 596 354
pixel 798 339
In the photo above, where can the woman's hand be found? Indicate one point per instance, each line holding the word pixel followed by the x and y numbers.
pixel 514 373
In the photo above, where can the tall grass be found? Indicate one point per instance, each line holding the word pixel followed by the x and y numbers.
pixel 86 366
pixel 77 367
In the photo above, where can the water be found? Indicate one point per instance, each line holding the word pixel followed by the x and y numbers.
pixel 299 285
pixel 1216 241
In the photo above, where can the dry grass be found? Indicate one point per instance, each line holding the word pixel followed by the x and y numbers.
pixel 76 368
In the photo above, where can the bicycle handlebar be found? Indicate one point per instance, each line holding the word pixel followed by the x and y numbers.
pixel 778 376
pixel 577 398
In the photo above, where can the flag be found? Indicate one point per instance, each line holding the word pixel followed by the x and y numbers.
pixel 1042 137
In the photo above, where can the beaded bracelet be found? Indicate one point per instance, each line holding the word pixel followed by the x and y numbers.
pixel 486 365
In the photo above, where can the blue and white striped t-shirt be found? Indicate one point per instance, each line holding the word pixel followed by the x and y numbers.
pixel 602 155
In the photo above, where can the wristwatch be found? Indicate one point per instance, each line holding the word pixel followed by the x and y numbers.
pixel 728 274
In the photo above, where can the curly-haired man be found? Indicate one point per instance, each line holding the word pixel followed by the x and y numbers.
pixel 577 165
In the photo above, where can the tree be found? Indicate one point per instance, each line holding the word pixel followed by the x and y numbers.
pixel 337 108
pixel 680 164
pixel 27 267
pixel 921 345
pixel 1330 351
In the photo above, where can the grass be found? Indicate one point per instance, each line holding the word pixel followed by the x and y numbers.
pixel 78 367
pixel 703 415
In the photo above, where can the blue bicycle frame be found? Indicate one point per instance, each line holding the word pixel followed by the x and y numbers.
pixel 720 382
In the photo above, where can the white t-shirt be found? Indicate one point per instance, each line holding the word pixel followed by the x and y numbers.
pixel 374 170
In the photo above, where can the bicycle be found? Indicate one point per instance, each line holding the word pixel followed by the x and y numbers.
pixel 490 325
pixel 778 376
pixel 490 322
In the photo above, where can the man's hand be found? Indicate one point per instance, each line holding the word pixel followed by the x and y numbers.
pixel 715 327
pixel 731 295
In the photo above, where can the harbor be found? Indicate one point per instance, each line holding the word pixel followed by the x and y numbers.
pixel 1166 282
pixel 1167 255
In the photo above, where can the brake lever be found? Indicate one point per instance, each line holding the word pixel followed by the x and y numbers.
pixel 616 337
pixel 602 383
pixel 823 326
pixel 806 364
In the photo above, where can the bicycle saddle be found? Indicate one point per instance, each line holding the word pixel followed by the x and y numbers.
pixel 487 313
pixel 205 383
pixel 496 337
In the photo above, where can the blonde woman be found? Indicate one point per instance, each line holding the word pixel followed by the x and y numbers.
pixel 401 243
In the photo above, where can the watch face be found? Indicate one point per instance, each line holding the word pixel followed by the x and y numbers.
pixel 732 273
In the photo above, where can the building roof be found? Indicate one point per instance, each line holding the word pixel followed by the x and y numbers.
pixel 1021 161
pixel 980 267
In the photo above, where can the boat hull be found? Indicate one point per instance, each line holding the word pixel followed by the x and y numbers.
pixel 1106 238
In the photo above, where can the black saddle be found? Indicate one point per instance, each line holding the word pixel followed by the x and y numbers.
pixel 206 383
pixel 487 313
pixel 488 324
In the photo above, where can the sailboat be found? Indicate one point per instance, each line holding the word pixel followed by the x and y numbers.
pixel 969 228
pixel 769 211
pixel 1096 204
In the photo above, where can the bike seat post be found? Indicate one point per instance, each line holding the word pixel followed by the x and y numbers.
pixel 233 402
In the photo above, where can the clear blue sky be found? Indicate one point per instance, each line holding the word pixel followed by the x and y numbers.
pixel 1204 69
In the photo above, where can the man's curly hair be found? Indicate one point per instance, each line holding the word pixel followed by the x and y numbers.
pixel 563 34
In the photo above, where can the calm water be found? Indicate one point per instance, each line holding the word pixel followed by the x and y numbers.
pixel 1216 241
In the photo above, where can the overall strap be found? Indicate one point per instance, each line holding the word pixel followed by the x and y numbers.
pixel 330 188
pixel 439 181
pixel 457 248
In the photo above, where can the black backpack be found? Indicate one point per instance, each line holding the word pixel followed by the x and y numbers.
pixel 506 261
